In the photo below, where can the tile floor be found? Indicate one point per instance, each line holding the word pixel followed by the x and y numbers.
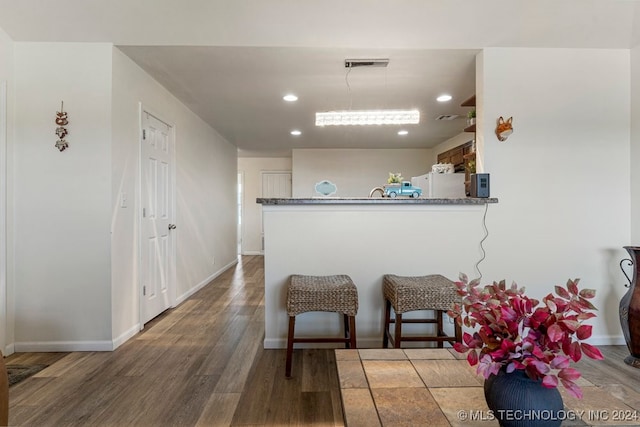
pixel 437 387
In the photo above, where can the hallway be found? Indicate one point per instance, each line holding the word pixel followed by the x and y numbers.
pixel 200 364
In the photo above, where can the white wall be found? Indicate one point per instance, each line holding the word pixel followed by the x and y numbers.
pixel 563 176
pixel 251 169
pixel 205 192
pixel 6 195
pixel 364 242
pixel 355 172
pixel 62 199
pixel 634 158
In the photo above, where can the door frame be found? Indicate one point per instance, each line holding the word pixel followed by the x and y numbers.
pixel 171 280
pixel 240 236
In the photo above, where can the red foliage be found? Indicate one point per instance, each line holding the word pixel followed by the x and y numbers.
pixel 513 331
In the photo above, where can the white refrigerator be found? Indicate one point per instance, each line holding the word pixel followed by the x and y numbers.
pixel 440 185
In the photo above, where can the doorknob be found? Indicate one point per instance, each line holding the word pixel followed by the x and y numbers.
pixel 172 226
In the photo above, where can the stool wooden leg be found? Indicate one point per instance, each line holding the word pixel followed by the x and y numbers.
pixel 352 332
pixel 387 321
pixel 292 325
pixel 440 333
pixel 347 331
pixel 398 335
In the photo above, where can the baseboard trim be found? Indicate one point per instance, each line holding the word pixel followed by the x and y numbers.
pixel 279 343
pixel 68 346
pixel 9 349
pixel 125 336
pixel 204 283
pixel 607 340
pixel 252 253
pixel 64 346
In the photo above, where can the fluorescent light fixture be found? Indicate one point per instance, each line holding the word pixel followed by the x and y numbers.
pixel 403 132
pixel 368 117
pixel 290 97
pixel 444 98
pixel 296 132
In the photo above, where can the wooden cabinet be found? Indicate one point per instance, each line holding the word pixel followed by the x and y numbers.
pixel 455 156
pixel 463 157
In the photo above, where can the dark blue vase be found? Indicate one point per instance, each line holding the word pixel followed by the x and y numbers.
pixel 518 401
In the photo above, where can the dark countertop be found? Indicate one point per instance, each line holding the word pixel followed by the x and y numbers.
pixel 374 201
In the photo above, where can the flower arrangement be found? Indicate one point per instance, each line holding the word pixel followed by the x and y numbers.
pixel 394 178
pixel 513 331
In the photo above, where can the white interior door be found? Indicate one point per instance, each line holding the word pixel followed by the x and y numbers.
pixel 157 208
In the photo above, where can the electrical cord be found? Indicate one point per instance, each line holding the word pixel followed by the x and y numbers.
pixel 486 234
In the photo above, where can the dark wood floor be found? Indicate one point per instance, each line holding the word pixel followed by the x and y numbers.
pixel 202 364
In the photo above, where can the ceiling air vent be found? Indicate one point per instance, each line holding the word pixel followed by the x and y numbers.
pixel 447 117
pixel 352 63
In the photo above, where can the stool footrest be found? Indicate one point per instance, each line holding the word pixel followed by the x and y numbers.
pixel 309 340
pixel 417 293
pixel 429 338
pixel 415 320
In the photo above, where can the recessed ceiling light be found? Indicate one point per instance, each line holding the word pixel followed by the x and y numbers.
pixel 290 97
pixel 444 98
pixel 403 132
pixel 296 132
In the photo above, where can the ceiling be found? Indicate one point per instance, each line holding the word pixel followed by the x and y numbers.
pixel 239 90
pixel 231 61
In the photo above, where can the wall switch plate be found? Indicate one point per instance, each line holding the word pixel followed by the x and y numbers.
pixel 123 200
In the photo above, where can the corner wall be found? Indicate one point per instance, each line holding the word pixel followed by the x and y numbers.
pixel 7 290
pixel 62 199
pixel 563 176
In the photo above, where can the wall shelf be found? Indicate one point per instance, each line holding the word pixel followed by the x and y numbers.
pixel 470 102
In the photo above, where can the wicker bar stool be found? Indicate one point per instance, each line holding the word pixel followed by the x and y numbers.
pixel 433 292
pixel 321 293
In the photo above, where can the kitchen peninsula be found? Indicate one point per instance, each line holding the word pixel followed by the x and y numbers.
pixel 364 238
